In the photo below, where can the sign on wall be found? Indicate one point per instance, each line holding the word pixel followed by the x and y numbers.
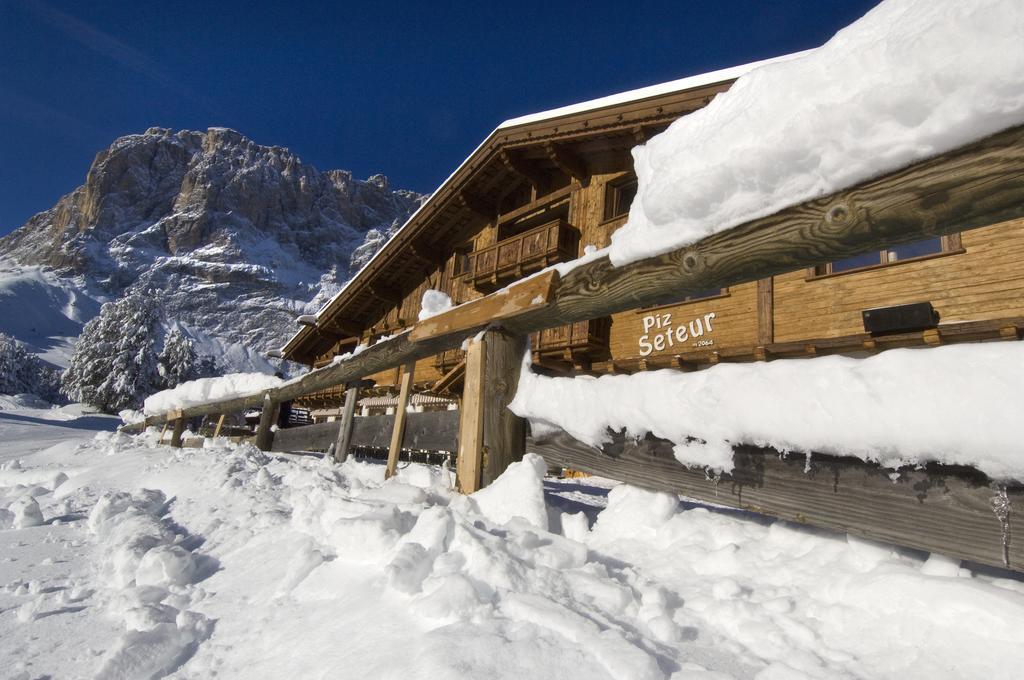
pixel 660 333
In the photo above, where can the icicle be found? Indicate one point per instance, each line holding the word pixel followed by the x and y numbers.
pixel 1001 506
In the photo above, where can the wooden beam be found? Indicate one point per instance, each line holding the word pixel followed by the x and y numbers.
pixel 552 200
pixel 572 165
pixel 938 508
pixel 341 445
pixel 766 311
pixel 344 328
pixel 268 418
pixel 525 169
pixel 471 423
pixel 534 292
pixel 400 414
pixel 385 293
pixel 431 257
pixel 641 134
pixel 504 433
pixel 445 382
pixel 474 205
pixel 219 426
pixel 179 429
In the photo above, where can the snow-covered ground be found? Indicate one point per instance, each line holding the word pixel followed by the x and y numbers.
pixel 227 562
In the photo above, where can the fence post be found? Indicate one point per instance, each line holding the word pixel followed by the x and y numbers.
pixel 264 435
pixel 399 430
pixel 179 428
pixel 490 436
pixel 341 446
pixel 220 425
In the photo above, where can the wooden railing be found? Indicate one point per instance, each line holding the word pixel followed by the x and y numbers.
pixel 530 251
pixel 448 359
pixel 585 337
pixel 975 186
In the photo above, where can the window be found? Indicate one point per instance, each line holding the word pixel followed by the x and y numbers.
pixel 461 259
pixel 703 294
pixel 916 250
pixel 694 297
pixel 618 196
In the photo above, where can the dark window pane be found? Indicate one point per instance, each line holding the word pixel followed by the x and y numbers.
pixel 916 249
pixel 701 294
pixel 627 192
pixel 865 260
pixel 618 198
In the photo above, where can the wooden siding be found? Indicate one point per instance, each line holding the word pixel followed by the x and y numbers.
pixel 984 282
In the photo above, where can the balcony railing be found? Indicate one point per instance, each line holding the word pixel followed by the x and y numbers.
pixel 585 338
pixel 449 359
pixel 582 337
pixel 515 256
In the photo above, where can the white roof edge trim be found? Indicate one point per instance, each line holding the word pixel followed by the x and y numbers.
pixel 687 83
pixel 610 100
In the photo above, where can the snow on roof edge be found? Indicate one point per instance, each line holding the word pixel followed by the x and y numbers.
pixel 679 84
pixel 689 82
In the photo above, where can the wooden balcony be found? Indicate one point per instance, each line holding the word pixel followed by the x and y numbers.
pixel 515 256
pixel 583 337
pixel 447 360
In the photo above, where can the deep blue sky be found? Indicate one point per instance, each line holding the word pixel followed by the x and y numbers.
pixel 400 88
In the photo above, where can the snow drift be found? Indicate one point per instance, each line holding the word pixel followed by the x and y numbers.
pixel 958 404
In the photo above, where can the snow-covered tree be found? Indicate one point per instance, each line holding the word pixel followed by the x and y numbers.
pixel 23 372
pixel 180 362
pixel 115 361
pixel 123 356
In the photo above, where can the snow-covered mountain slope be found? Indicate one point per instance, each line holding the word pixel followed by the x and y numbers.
pixel 234 238
pixel 43 310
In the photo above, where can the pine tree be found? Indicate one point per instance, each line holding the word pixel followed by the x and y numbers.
pixel 23 372
pixel 178 361
pixel 122 356
pixel 115 361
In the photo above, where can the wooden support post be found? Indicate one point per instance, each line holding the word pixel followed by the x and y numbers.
pixel 471 421
pixel 264 435
pixel 490 436
pixel 344 440
pixel 220 425
pixel 163 431
pixel 766 311
pixel 399 431
pixel 504 439
pixel 179 428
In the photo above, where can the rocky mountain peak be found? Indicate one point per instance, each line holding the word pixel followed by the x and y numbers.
pixel 213 221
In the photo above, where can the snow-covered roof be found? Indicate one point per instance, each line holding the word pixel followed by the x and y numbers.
pixel 678 85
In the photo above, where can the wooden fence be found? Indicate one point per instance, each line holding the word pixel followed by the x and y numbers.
pixel 975 186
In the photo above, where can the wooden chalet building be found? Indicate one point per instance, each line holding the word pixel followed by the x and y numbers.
pixel 541 189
